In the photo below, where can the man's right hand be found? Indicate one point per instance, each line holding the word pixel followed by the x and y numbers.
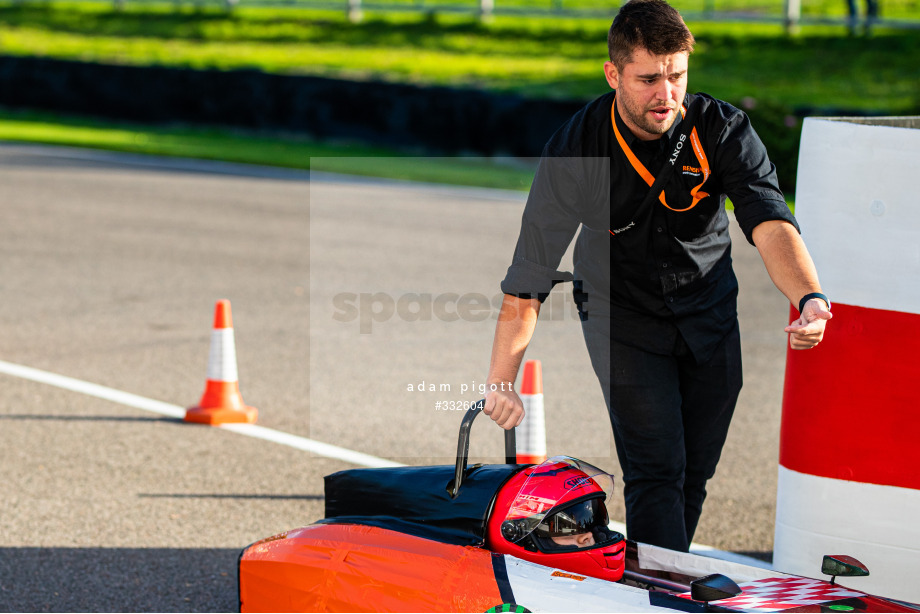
pixel 504 407
pixel 516 321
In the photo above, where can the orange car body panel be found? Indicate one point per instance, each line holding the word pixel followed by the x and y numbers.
pixel 354 568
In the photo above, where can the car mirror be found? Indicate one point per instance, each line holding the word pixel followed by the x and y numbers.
pixel 835 565
pixel 713 588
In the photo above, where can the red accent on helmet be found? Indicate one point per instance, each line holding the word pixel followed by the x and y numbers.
pixel 558 497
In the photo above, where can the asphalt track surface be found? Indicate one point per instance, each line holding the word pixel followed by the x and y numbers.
pixel 109 269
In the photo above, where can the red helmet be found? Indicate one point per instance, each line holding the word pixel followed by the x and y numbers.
pixel 555 514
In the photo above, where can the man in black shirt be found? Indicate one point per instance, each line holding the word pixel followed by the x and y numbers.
pixel 644 172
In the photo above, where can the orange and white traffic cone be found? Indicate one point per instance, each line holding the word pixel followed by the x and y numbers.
pixel 531 436
pixel 221 402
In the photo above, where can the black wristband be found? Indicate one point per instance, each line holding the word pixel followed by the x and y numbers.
pixel 810 296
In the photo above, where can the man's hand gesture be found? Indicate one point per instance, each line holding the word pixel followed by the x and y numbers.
pixel 807 332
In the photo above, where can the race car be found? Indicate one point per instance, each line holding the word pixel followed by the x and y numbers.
pixel 506 537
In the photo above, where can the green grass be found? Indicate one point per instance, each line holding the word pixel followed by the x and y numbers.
pixel 259 148
pixel 752 65
pixel 556 57
pixel 813 70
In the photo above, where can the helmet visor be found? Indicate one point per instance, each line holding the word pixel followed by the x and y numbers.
pixel 549 486
pixel 578 518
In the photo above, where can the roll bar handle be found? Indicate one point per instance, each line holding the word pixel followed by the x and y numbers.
pixel 463 445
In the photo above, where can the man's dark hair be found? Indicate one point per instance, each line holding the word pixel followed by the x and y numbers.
pixel 653 25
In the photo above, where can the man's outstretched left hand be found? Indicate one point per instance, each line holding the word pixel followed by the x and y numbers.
pixel 808 331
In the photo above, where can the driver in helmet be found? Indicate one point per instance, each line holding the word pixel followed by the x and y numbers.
pixel 555 514
pixel 565 529
pixel 581 540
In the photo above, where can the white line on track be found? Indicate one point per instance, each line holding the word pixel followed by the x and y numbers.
pixel 251 430
pixel 267 434
pixel 174 411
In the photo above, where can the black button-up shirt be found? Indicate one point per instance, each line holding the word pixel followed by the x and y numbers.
pixel 655 271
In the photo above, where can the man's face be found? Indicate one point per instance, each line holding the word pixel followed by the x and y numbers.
pixel 650 90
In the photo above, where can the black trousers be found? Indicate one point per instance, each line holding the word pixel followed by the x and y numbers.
pixel 670 417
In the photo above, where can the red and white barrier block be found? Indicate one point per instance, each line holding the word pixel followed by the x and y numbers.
pixel 531 432
pixel 849 476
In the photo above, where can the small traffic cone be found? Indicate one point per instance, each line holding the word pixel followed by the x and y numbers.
pixel 531 436
pixel 221 402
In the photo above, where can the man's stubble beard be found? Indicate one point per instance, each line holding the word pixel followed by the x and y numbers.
pixel 628 108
